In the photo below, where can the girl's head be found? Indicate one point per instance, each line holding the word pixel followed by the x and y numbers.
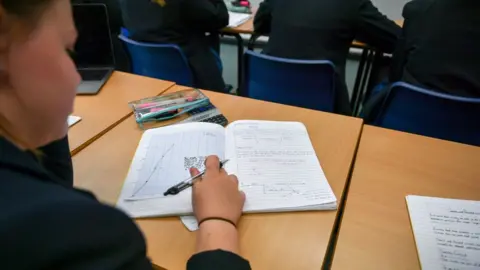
pixel 38 79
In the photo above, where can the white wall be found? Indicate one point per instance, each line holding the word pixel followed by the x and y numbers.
pixel 391 8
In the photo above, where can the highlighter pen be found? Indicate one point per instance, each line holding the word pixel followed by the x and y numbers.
pixel 189 182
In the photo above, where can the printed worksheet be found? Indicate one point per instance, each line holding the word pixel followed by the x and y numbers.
pixel 447 232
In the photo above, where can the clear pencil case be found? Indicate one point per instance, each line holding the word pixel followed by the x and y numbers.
pixel 168 106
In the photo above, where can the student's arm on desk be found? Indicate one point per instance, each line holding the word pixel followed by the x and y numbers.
pixel 263 18
pixel 376 29
pixel 56 159
pixel 217 196
pixel 206 15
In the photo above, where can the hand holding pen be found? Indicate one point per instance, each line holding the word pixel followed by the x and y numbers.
pixel 217 194
pixel 190 181
pixel 217 205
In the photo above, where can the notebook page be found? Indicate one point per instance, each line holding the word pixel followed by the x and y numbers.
pixel 277 167
pixel 163 159
pixel 236 19
pixel 447 232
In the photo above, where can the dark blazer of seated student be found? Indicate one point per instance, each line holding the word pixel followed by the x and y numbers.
pixel 49 224
pixel 185 23
pixel 324 30
pixel 439 46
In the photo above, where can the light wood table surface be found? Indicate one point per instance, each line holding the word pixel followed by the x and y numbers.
pixel 375 231
pixel 270 241
pixel 109 107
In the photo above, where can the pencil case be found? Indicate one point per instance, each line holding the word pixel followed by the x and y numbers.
pixel 168 106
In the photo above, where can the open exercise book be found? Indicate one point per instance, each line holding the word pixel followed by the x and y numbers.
pixel 447 232
pixel 275 163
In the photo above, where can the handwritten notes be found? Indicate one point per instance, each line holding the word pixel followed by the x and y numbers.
pixel 275 163
pixel 447 232
pixel 277 167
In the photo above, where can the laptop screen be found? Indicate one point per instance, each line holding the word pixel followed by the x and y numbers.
pixel 94 44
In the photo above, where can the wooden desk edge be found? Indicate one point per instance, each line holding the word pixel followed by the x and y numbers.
pixel 103 132
pixel 330 253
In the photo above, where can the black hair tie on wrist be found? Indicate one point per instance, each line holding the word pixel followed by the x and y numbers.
pixel 216 218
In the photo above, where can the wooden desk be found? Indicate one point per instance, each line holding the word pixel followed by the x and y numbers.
pixel 375 232
pixel 270 241
pixel 109 107
pixel 245 28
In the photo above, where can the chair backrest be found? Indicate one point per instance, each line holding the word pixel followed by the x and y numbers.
pixel 161 61
pixel 303 83
pixel 413 109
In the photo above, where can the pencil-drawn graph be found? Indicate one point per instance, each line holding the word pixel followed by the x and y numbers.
pixel 158 166
pixel 166 159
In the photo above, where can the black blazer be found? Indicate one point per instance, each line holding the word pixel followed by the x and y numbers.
pixel 185 23
pixel 439 46
pixel 48 224
pixel 324 30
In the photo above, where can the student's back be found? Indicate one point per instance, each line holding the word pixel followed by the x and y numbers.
pixel 185 23
pixel 323 29
pixel 439 48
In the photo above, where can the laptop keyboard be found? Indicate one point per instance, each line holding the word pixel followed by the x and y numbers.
pixel 92 74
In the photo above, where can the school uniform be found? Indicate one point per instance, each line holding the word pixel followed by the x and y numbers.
pixel 191 24
pixel 324 30
pixel 46 223
pixel 439 45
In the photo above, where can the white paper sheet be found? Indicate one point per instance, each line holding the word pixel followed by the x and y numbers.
pixel 447 232
pixel 72 120
pixel 275 163
pixel 277 167
pixel 190 222
pixel 237 19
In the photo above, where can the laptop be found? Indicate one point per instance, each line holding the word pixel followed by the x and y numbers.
pixel 93 53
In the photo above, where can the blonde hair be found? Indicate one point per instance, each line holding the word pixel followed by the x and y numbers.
pixel 160 2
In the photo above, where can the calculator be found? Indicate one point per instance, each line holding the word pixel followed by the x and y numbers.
pixel 207 114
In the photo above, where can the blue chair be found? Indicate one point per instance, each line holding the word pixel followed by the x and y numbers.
pixel 413 109
pixel 161 61
pixel 303 83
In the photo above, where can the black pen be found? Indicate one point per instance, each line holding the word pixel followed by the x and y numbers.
pixel 189 182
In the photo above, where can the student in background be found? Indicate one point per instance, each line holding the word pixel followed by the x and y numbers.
pixel 439 46
pixel 184 23
pixel 324 30
pixel 438 50
pixel 46 222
